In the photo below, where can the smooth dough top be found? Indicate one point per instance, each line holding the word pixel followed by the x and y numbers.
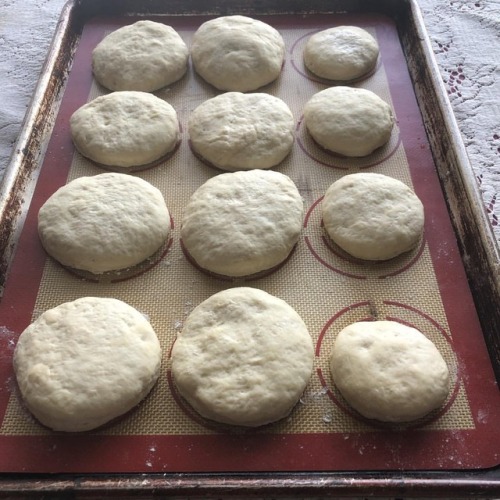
pixel 244 357
pixel 348 121
pixel 144 56
pixel 236 131
pixel 103 223
pixel 372 216
pixel 341 53
pixel 389 371
pixel 125 129
pixel 237 53
pixel 242 223
pixel 86 362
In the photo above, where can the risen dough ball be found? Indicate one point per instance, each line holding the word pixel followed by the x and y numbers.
pixel 388 371
pixel 372 216
pixel 125 129
pixel 142 56
pixel 341 53
pixel 103 223
pixel 241 223
pixel 236 131
pixel 244 357
pixel 348 121
pixel 86 362
pixel 237 53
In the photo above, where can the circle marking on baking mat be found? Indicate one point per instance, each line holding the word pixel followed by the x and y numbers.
pixel 392 311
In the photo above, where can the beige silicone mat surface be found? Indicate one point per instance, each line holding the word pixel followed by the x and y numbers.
pixel 327 289
pixel 426 288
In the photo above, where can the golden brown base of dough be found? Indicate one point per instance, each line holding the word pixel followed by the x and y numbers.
pixel 123 274
pixel 136 168
pixel 248 277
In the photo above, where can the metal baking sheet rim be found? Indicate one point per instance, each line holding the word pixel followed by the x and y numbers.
pixel 478 245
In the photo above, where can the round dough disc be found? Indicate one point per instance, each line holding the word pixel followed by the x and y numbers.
pixel 125 129
pixel 244 357
pixel 86 362
pixel 237 53
pixel 242 223
pixel 389 371
pixel 372 216
pixel 341 53
pixel 143 56
pixel 236 131
pixel 348 121
pixel 103 223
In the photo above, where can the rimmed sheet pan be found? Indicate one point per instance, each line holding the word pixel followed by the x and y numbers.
pixel 66 82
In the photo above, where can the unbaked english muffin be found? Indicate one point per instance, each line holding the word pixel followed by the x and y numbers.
pixel 143 56
pixel 104 223
pixel 243 357
pixel 349 121
pixel 237 53
pixel 389 371
pixel 372 216
pixel 85 363
pixel 242 223
pixel 125 130
pixel 236 131
pixel 341 53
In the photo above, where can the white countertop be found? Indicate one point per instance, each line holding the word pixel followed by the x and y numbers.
pixel 464 35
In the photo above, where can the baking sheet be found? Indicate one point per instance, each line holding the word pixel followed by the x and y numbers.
pixel 422 289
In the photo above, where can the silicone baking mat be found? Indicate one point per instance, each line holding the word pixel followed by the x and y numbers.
pixel 426 288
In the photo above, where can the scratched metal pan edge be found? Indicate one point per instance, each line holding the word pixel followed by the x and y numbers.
pixel 26 159
pixel 477 243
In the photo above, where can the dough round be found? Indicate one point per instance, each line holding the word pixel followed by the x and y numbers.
pixel 237 53
pixel 125 129
pixel 244 357
pixel 236 131
pixel 341 53
pixel 389 371
pixel 86 362
pixel 103 223
pixel 242 223
pixel 348 121
pixel 143 56
pixel 372 216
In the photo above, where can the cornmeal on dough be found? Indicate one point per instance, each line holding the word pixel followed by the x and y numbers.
pixel 341 53
pixel 244 357
pixel 237 53
pixel 104 223
pixel 389 371
pixel 125 129
pixel 236 131
pixel 143 56
pixel 86 362
pixel 242 223
pixel 372 216
pixel 348 121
